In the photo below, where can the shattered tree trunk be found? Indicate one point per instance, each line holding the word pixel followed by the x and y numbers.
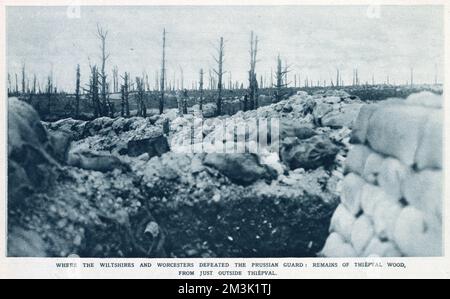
pixel 49 94
pixel 219 74
pixel 9 85
pixel 106 106
pixel 115 79
pixel 183 102
pixel 140 98
pixel 125 111
pixel 201 90
pixel 163 74
pixel 95 92
pixel 23 80
pixel 211 81
pixel 253 81
pixel 156 81
pixel 17 85
pixel 34 84
pixel 338 78
pixel 280 79
pixel 77 93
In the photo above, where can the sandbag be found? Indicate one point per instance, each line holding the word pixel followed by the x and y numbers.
pixel 362 233
pixel 370 196
pixel 335 246
pixel 359 133
pixel 395 130
pixel 372 167
pixel 385 216
pixel 342 222
pixel 429 153
pixel 356 159
pixel 377 248
pixel 351 193
pixel 344 117
pixel 391 175
pixel 426 99
pixel 415 237
pixel 423 190
pixel 320 111
pixel 394 101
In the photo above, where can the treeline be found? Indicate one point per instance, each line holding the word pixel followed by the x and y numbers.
pixel 100 87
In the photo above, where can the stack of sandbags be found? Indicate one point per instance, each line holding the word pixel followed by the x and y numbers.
pixel 391 198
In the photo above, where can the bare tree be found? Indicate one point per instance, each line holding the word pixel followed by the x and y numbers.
pixel 115 79
pixel 286 69
pixel 125 112
pixel 93 91
pixel 156 80
pixel 338 77
pixel 184 98
pixel 280 77
pixel 201 89
pixel 219 72
pixel 77 92
pixel 9 85
pixel 16 89
pixel 253 81
pixel 34 90
pixel 163 74
pixel 182 78
pixel 147 83
pixel 211 81
pixel 49 94
pixel 106 106
pixel 140 97
pixel 23 79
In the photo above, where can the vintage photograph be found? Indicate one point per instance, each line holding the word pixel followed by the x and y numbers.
pixel 225 131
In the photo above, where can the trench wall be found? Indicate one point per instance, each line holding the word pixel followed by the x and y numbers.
pixel 391 196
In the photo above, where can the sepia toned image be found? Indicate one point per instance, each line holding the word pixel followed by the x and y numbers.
pixel 225 131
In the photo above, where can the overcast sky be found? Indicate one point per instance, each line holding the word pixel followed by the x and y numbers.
pixel 314 40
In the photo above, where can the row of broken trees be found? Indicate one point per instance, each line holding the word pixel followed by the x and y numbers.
pixel 97 92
